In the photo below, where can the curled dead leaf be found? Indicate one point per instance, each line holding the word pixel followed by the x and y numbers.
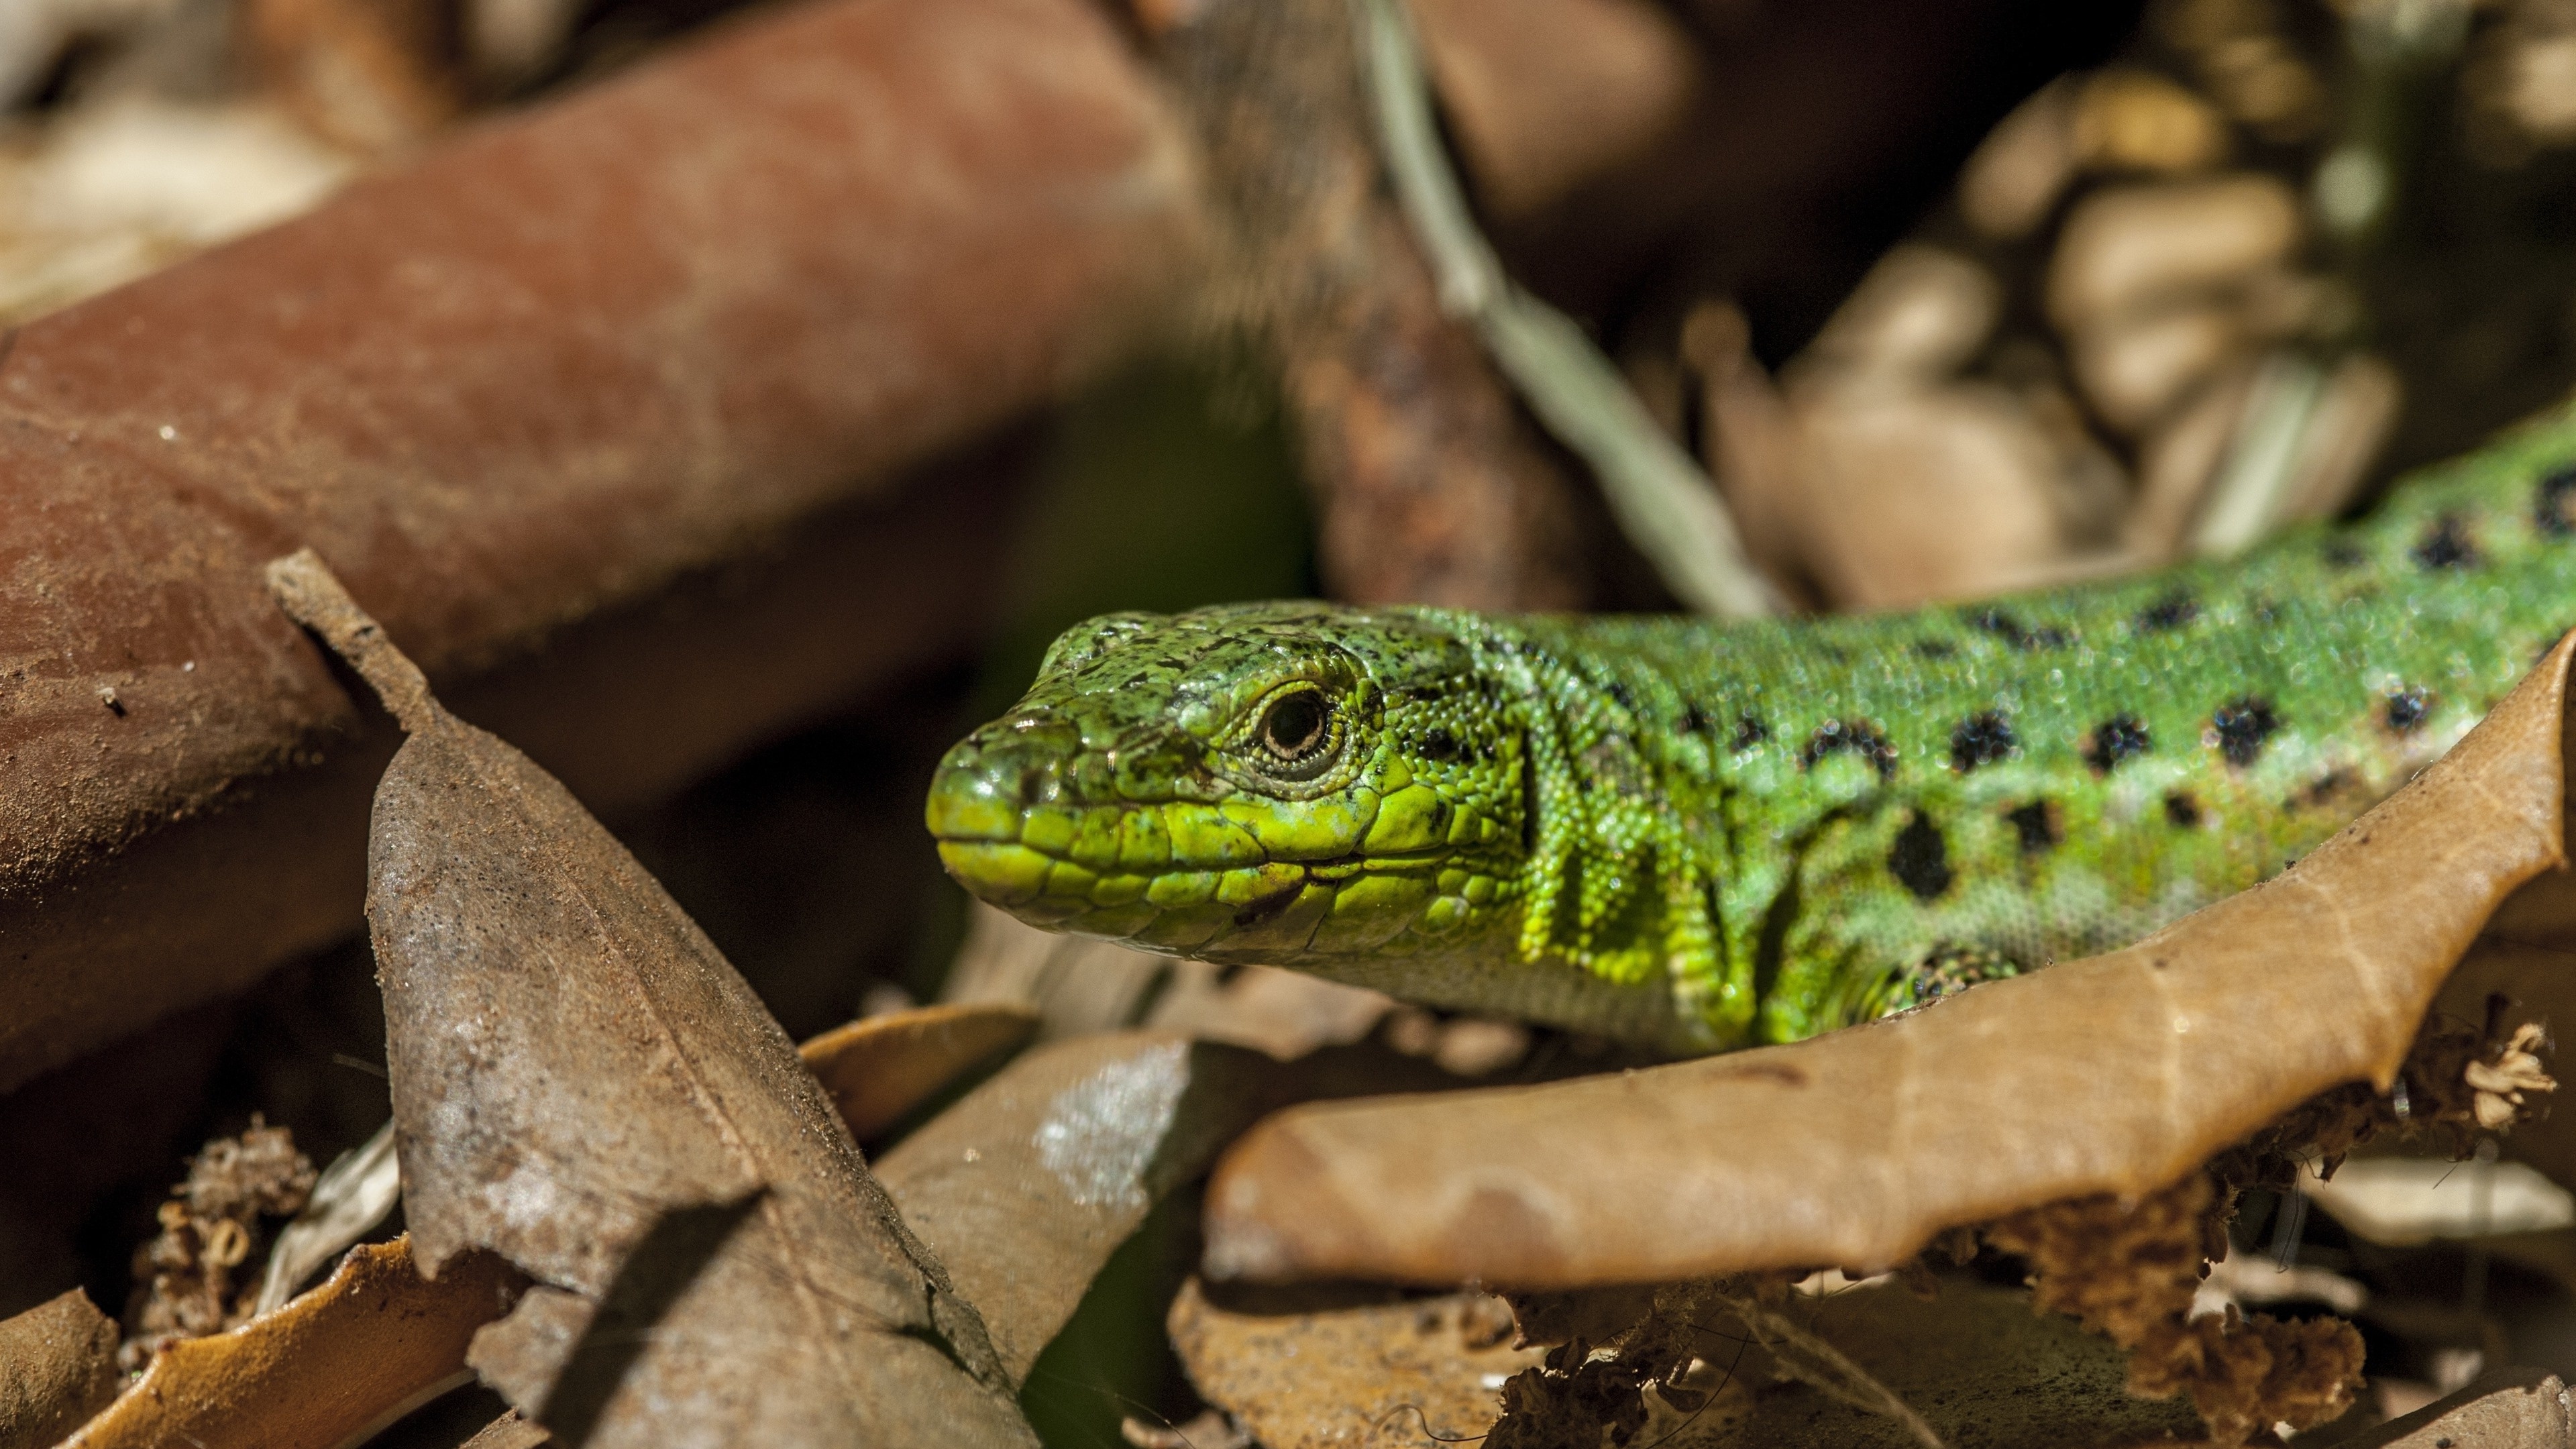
pixel 878 1069
pixel 57 1367
pixel 583 1084
pixel 373 1340
pixel 2112 1075
pixel 1028 1184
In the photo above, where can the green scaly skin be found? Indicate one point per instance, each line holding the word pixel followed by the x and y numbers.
pixel 1708 834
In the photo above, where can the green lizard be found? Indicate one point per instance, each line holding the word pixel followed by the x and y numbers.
pixel 1708 834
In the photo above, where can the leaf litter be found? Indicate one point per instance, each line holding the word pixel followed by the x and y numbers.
pixel 1033 1179
pixel 184 1277
pixel 2097 1119
pixel 2124 1257
pixel 373 1341
pixel 584 1085
pixel 879 1070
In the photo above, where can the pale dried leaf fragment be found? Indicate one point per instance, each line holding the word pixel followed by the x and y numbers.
pixel 509 1432
pixel 2015 176
pixel 2509 1408
pixel 583 1084
pixel 354 1194
pixel 375 1339
pixel 2501 1085
pixel 1856 1148
pixel 57 1367
pixel 2401 1201
pixel 878 1069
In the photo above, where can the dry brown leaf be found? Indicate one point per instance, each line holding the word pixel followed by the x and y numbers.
pixel 1973 1362
pixel 1028 1184
pixel 373 1339
pixel 878 1069
pixel 1917 495
pixel 57 1367
pixel 2112 1075
pixel 584 1085
pixel 1511 71
pixel 1368 1369
pixel 2511 1408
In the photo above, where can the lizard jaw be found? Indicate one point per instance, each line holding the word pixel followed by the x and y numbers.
pixel 1221 880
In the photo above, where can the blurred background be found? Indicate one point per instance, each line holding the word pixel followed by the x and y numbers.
pixel 1939 298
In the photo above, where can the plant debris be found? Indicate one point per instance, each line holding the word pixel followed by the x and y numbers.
pixel 584 1085
pixel 184 1278
pixel 374 1339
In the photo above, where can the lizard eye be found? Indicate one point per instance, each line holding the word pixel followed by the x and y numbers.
pixel 1294 726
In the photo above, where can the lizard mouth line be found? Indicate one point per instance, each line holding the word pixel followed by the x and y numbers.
pixel 1238 906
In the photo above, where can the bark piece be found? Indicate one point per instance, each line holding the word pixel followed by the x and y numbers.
pixel 2112 1075
pixel 572 358
pixel 1431 487
pixel 584 1085
pixel 57 1367
pixel 879 1068
pixel 375 1338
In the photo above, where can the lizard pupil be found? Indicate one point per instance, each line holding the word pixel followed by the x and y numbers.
pixel 1292 727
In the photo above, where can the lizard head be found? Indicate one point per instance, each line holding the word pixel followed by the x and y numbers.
pixel 1286 783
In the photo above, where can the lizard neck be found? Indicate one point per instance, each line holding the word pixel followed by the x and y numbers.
pixel 1618 876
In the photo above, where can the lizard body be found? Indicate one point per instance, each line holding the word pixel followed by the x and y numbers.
pixel 1708 834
